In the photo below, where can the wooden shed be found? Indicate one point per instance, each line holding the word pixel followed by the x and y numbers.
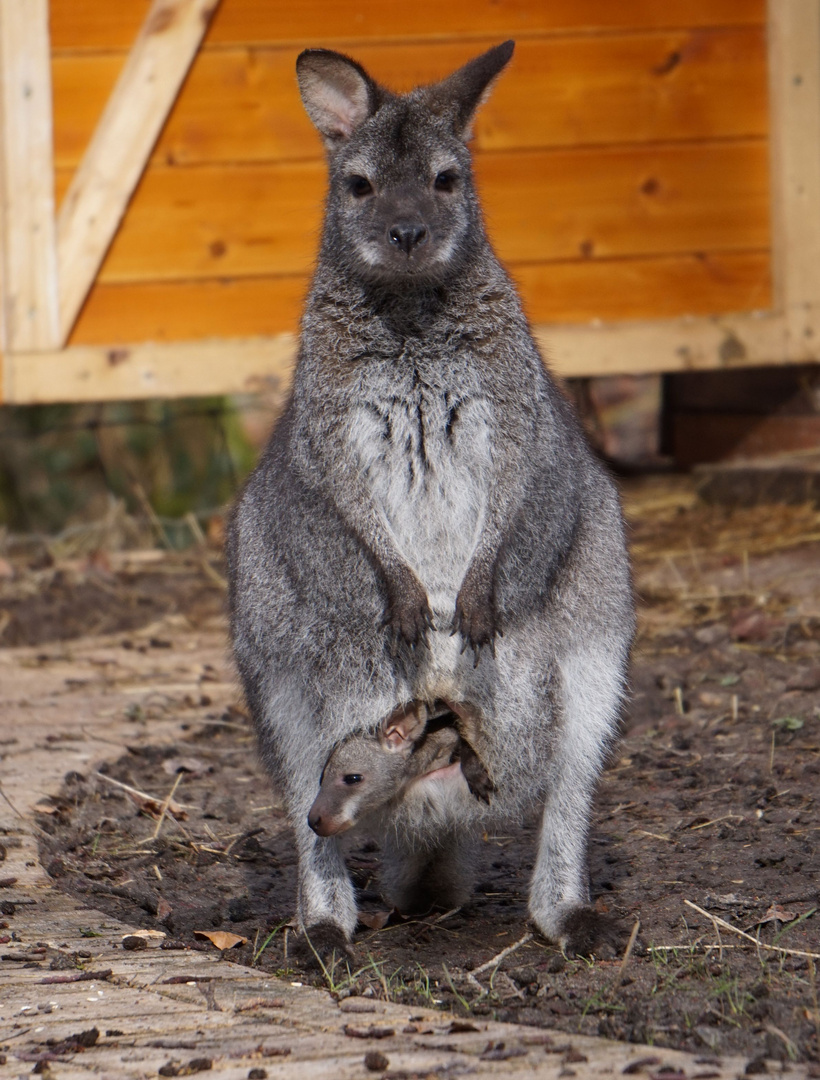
pixel 650 173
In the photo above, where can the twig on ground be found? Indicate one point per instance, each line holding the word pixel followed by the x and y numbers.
pixel 813 981
pixel 11 804
pixel 717 921
pixel 166 803
pixel 630 945
pixel 791 1049
pixel 133 791
pixel 496 960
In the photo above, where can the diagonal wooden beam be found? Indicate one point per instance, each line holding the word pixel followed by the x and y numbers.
pixel 27 235
pixel 122 143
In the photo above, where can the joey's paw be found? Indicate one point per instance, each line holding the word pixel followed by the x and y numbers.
pixel 323 941
pixel 584 931
pixel 476 620
pixel 477 777
pixel 408 616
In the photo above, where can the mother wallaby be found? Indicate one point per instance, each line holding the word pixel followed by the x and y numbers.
pixel 427 522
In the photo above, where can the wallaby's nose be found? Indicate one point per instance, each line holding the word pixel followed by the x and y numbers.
pixel 408 235
pixel 315 821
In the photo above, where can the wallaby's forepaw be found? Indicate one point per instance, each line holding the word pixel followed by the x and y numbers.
pixel 322 943
pixel 476 620
pixel 408 617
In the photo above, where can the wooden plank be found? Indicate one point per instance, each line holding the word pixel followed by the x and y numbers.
pixel 187 369
pixel 89 24
pixel 233 221
pixel 665 287
pixel 89 373
pixel 242 105
pixel 119 150
pixel 794 63
pixel 29 268
pixel 577 291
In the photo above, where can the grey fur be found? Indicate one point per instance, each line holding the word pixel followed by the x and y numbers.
pixel 427 522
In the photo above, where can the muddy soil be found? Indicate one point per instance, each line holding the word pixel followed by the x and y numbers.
pixel 710 800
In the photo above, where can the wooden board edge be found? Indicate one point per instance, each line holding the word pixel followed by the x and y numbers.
pixel 225 366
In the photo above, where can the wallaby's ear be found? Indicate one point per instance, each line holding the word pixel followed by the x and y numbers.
pixel 400 730
pixel 464 90
pixel 337 93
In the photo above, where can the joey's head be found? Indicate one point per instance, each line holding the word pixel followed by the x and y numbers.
pixel 365 772
pixel 402 210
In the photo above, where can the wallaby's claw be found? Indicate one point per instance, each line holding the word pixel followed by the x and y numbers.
pixel 477 630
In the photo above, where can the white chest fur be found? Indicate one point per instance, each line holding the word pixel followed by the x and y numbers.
pixel 426 459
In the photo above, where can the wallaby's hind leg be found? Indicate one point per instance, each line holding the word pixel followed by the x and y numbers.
pixel 326 900
pixel 326 903
pixel 419 874
pixel 591 688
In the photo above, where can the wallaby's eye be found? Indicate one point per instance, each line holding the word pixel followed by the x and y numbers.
pixel 352 778
pixel 446 180
pixel 360 186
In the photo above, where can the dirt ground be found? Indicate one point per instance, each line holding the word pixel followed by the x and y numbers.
pixel 710 800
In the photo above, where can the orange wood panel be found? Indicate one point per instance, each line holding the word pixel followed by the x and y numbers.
pixel 648 288
pixel 654 200
pixel 232 220
pixel 553 292
pixel 243 104
pixel 96 24
pixel 187 310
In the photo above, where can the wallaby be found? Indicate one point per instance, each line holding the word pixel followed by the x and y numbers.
pixel 368 770
pixel 427 521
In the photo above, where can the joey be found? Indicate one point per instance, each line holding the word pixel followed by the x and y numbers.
pixel 367 771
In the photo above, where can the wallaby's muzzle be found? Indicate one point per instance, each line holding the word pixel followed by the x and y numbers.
pixel 408 235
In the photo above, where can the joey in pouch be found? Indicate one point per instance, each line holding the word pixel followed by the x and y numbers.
pixel 427 522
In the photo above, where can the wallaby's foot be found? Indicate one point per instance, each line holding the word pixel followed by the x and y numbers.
pixel 475 617
pixel 583 931
pixel 408 617
pixel 322 943
pixel 476 775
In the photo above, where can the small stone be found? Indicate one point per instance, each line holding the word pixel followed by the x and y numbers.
pixel 375 1061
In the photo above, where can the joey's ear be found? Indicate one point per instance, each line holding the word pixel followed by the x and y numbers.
pixel 400 730
pixel 462 92
pixel 337 93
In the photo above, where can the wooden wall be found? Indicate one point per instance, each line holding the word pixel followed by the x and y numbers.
pixel 622 159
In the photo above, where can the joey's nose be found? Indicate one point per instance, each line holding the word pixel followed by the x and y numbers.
pixel 407 235
pixel 315 821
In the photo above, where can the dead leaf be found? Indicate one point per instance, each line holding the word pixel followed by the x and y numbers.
pixel 143 939
pixel 374 920
pixel 153 807
pixel 164 909
pixel 221 939
pixel 777 914
pixel 6 569
pixel 42 808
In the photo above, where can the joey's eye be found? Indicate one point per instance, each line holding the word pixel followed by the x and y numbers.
pixel 352 778
pixel 360 186
pixel 446 180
